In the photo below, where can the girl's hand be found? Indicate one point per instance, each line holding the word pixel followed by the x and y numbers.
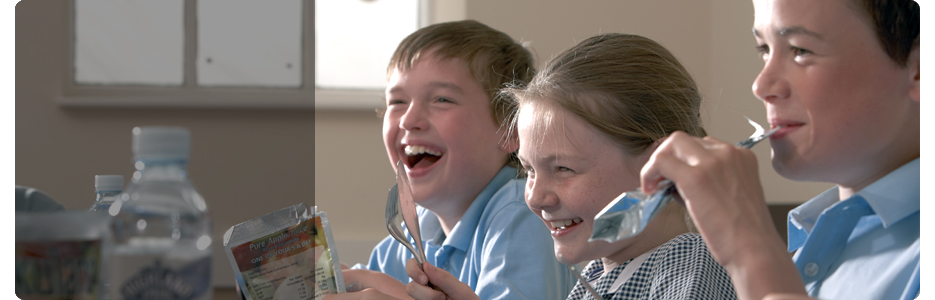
pixel 446 285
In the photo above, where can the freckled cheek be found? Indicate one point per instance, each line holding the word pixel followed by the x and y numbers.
pixel 592 208
pixel 592 200
pixel 584 202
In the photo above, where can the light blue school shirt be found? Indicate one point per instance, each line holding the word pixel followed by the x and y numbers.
pixel 499 247
pixel 880 259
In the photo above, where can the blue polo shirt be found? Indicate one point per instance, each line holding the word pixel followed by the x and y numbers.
pixel 880 259
pixel 499 247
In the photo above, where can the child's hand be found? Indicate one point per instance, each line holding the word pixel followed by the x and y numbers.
pixel 446 285
pixel 786 297
pixel 367 294
pixel 373 285
pixel 720 185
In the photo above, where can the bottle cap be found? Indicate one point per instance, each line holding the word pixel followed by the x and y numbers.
pixel 161 142
pixel 108 183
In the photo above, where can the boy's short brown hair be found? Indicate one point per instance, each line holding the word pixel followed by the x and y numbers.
pixel 896 24
pixel 494 59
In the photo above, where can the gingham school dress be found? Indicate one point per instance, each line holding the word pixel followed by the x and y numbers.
pixel 682 268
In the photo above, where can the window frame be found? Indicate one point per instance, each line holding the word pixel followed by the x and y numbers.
pixel 189 94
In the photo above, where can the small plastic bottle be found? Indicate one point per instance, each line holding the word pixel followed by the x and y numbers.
pixel 107 188
pixel 162 231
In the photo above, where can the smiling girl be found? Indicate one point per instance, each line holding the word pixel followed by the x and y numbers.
pixel 587 124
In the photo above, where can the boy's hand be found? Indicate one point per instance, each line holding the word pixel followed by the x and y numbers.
pixel 720 185
pixel 446 285
pixel 377 283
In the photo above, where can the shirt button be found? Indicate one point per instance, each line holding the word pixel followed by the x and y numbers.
pixel 811 269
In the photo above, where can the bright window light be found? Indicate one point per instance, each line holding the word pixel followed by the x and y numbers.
pixel 354 40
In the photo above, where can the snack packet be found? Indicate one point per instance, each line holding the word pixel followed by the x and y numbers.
pixel 287 254
pixel 58 254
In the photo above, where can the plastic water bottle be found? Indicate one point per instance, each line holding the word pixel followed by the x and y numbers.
pixel 107 188
pixel 162 231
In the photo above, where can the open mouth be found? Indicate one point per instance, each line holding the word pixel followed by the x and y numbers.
pixel 420 156
pixel 565 224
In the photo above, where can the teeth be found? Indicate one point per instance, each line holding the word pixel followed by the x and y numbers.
pixel 562 224
pixel 416 150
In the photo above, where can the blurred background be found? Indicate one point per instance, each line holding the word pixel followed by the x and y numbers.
pixel 273 139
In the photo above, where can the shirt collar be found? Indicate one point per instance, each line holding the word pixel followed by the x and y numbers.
pixel 892 198
pixel 463 231
pixel 896 195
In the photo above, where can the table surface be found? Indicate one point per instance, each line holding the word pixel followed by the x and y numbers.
pixel 226 294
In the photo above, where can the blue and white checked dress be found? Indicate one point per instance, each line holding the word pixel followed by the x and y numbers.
pixel 682 268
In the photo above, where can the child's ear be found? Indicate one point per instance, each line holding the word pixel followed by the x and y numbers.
pixel 510 142
pixel 915 70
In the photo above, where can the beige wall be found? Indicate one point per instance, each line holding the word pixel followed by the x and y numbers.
pixel 250 162
pixel 711 38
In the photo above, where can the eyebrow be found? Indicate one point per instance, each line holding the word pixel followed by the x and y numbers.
pixel 551 158
pixel 436 85
pixel 446 85
pixel 793 30
pixel 526 160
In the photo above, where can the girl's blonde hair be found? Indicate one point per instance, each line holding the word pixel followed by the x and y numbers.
pixel 627 86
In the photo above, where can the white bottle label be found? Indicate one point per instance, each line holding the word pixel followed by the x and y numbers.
pixel 155 276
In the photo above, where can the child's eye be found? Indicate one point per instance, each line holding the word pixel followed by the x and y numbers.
pixel 444 100
pixel 530 172
pixel 763 50
pixel 799 51
pixel 395 102
pixel 561 169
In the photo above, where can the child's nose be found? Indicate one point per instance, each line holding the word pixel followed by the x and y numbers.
pixel 770 85
pixel 539 195
pixel 414 118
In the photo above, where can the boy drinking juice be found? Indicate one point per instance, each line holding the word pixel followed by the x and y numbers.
pixel 841 77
